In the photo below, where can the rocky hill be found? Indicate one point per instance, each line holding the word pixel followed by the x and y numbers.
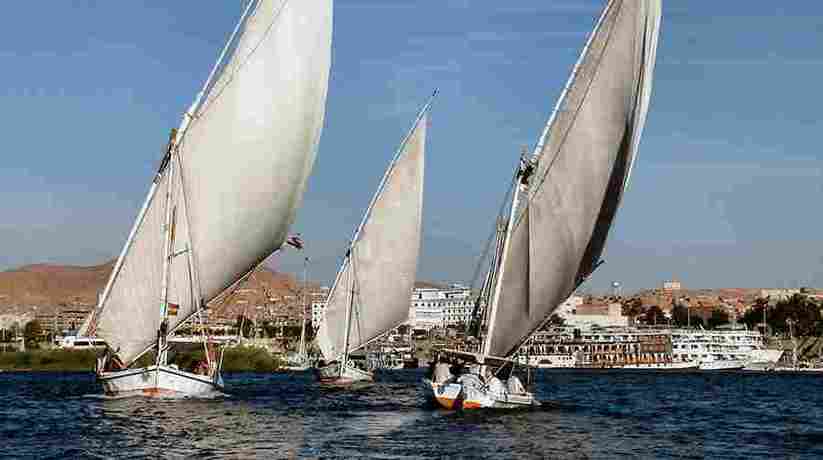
pixel 51 287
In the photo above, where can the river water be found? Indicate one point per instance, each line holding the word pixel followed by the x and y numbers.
pixel 588 415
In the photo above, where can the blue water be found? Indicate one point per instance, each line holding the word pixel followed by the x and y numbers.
pixel 589 415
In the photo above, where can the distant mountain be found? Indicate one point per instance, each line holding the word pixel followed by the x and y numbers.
pixel 50 287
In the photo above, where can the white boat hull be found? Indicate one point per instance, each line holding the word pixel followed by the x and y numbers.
pixel 456 395
pixel 159 381
pixel 296 368
pixel 331 375
pixel 674 366
pixel 722 365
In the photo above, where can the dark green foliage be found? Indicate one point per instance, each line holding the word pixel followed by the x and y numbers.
pixel 680 315
pixel 654 316
pixel 718 317
pixel 632 307
pixel 801 309
pixel 245 324
pixel 249 359
pixel 49 360
pixel 235 360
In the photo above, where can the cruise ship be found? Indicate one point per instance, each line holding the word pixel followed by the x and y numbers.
pixel 649 349
pixel 724 348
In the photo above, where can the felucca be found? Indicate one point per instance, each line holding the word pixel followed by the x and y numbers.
pixel 371 292
pixel 565 199
pixel 227 191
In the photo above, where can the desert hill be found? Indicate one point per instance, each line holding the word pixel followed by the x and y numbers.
pixel 52 287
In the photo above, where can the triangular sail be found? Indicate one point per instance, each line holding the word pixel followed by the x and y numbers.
pixel 584 161
pixel 241 166
pixel 381 267
pixel 252 144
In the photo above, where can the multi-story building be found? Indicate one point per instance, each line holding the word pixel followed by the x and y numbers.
pixel 429 307
pixel 776 295
pixel 318 307
pixel 440 307
pixel 63 320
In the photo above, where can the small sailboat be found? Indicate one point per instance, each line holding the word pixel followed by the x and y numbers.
pixel 564 200
pixel 370 295
pixel 222 201
pixel 300 361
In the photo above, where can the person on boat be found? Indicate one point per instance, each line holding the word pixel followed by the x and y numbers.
pixel 201 368
pixel 442 373
pixel 526 170
pixel 110 362
pixel 493 383
pixel 514 385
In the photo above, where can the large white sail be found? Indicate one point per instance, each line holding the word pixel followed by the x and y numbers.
pixel 381 267
pixel 584 161
pixel 252 144
pixel 240 169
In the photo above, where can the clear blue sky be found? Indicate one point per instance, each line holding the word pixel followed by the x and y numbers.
pixel 726 191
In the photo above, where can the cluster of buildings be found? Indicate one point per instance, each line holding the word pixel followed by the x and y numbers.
pixel 429 307
pixel 437 307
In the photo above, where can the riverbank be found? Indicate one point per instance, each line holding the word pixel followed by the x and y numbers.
pixel 236 359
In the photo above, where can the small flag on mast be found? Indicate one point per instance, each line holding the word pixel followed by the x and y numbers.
pixel 295 241
pixel 171 309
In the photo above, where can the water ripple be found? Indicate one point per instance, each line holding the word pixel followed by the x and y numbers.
pixel 587 415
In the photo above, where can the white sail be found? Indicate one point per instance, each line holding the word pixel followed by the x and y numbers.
pixel 584 160
pixel 252 144
pixel 381 267
pixel 241 166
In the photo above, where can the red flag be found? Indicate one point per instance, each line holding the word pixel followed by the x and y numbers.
pixel 295 241
pixel 172 309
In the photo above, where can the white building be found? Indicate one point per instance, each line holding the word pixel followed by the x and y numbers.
pixel 438 307
pixel 776 295
pixel 430 307
pixel 318 307
pixel 318 313
pixel 576 314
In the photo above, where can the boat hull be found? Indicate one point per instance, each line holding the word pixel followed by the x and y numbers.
pixel 331 375
pixel 159 381
pixel 675 366
pixel 722 365
pixel 456 395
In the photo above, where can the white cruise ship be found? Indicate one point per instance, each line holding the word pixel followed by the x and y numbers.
pixel 649 348
pixel 725 348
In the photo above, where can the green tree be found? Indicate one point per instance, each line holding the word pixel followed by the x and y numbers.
pixel 654 316
pixel 718 317
pixel 632 307
pixel 245 324
pixel 32 333
pixel 680 315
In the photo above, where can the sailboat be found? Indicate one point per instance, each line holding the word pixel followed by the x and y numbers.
pixel 370 295
pixel 222 201
pixel 565 197
pixel 300 361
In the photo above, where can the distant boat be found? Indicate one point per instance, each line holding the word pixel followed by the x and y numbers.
pixel 222 201
pixel 565 199
pixel 300 361
pixel 370 295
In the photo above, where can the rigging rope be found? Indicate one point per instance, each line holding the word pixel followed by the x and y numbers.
pixel 539 185
pixel 210 99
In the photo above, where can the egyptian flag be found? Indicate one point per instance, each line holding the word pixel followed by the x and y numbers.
pixel 171 309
